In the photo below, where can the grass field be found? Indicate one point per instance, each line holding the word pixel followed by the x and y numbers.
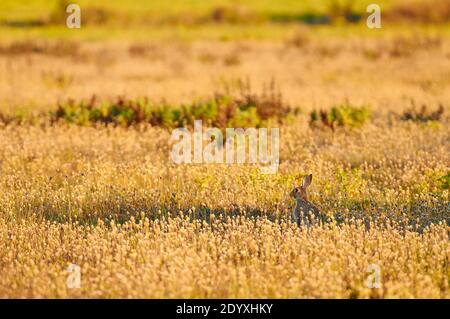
pixel 223 20
pixel 40 9
pixel 86 176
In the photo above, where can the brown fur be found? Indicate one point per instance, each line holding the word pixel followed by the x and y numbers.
pixel 304 210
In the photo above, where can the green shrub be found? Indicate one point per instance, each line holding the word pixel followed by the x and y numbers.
pixel 120 112
pixel 219 111
pixel 343 115
pixel 245 118
pixel 164 116
pixel 423 115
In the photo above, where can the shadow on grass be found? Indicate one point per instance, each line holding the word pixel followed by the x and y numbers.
pixel 307 18
pixel 315 18
pixel 416 216
pixel 126 211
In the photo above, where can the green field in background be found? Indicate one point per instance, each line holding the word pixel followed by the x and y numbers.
pixel 35 9
pixel 25 19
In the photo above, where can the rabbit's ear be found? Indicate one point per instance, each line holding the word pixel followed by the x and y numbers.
pixel 307 181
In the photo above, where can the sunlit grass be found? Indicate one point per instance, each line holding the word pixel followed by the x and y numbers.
pixel 94 184
pixel 110 201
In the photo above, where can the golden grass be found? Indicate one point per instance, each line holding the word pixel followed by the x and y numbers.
pixel 384 73
pixel 110 200
pixel 237 258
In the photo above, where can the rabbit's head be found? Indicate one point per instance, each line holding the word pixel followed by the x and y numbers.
pixel 300 192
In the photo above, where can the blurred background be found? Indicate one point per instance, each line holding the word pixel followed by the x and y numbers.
pixel 183 50
pixel 189 18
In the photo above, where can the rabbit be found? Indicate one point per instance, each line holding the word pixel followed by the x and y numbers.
pixel 303 207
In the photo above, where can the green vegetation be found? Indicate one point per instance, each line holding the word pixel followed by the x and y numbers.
pixel 244 110
pixel 343 115
pixel 142 11
pixel 424 114
pixel 445 181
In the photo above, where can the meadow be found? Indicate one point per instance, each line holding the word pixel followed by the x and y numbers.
pixel 86 176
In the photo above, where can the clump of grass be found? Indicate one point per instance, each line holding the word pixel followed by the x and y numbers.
pixel 245 109
pixel 232 59
pixel 5 119
pixel 269 104
pixel 423 115
pixel 19 117
pixel 445 181
pixel 121 112
pixel 59 48
pixel 231 14
pixel 300 39
pixel 344 115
